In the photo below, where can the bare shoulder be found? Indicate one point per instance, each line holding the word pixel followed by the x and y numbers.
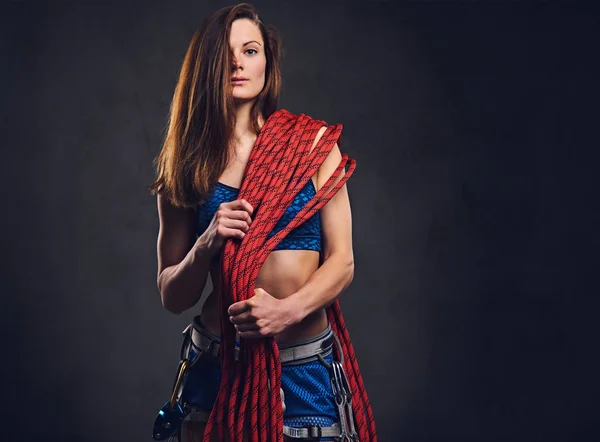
pixel 318 137
pixel 315 178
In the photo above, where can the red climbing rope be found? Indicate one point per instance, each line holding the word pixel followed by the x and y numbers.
pixel 280 165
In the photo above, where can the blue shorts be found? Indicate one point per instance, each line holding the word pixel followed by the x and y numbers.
pixel 308 394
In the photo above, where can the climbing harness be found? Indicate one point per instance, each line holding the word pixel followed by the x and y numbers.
pixel 174 412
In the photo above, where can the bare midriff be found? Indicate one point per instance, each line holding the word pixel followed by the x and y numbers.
pixel 281 275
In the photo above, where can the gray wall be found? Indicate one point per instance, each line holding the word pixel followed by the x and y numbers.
pixel 474 210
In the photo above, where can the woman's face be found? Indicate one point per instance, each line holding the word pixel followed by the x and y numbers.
pixel 248 58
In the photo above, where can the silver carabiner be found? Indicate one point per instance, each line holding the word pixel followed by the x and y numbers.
pixel 341 397
pixel 348 393
pixel 350 414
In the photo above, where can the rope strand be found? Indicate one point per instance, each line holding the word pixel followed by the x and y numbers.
pixel 280 165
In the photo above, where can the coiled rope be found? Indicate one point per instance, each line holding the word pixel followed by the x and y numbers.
pixel 280 165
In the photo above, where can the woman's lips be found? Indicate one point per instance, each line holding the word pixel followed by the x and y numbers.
pixel 238 82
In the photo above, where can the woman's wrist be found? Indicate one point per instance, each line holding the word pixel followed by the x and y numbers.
pixel 202 249
pixel 294 309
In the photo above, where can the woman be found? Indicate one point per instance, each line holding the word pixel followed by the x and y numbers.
pixel 226 95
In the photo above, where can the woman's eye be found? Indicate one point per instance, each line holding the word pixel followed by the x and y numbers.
pixel 255 51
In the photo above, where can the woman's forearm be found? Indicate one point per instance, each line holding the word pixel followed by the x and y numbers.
pixel 323 287
pixel 181 285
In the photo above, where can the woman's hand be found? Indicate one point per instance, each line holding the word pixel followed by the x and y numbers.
pixel 231 220
pixel 261 316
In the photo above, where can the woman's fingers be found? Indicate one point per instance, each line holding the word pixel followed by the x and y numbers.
pixel 240 204
pixel 236 224
pixel 241 318
pixel 251 335
pixel 247 326
pixel 226 232
pixel 231 220
pixel 239 214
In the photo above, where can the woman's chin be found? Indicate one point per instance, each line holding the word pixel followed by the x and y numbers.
pixel 243 98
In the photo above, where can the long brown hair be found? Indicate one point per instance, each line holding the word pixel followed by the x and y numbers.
pixel 195 151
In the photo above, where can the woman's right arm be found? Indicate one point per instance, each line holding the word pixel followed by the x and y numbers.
pixel 183 265
pixel 184 261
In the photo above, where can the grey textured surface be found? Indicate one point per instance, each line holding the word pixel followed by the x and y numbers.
pixel 461 117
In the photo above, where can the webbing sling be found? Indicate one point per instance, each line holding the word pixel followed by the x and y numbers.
pixel 280 165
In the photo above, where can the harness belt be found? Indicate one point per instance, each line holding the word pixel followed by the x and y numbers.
pixel 316 348
pixel 307 351
pixel 312 432
pixel 200 340
pixel 289 354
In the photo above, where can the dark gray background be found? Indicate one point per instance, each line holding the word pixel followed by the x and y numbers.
pixel 474 210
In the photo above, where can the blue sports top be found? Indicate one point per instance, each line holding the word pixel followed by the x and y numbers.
pixel 306 236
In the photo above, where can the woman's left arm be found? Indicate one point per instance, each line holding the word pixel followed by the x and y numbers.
pixel 337 271
pixel 264 315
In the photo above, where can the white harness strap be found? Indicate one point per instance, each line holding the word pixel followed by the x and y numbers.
pixel 312 432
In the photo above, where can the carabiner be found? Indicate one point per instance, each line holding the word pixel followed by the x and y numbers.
pixel 348 401
pixel 181 371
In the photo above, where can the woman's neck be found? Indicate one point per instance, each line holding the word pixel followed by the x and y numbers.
pixel 243 125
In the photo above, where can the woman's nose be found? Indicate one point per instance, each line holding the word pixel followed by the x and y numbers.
pixel 236 63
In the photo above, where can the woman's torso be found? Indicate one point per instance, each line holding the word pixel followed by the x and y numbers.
pixel 282 273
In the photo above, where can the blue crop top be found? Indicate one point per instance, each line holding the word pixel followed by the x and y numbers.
pixel 306 236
